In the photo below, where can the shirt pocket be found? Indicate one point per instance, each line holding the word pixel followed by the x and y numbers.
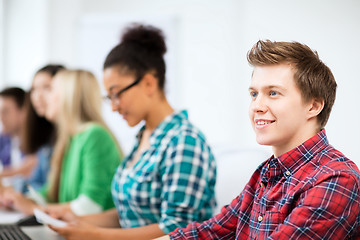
pixel 144 188
pixel 272 220
pixel 145 173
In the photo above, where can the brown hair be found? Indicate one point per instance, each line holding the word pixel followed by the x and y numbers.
pixel 17 94
pixel 314 79
pixel 38 131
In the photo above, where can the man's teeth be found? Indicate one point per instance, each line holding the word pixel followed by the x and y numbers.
pixel 263 122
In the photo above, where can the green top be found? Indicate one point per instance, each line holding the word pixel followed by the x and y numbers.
pixel 88 166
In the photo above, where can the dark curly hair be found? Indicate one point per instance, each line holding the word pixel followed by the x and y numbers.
pixel 140 51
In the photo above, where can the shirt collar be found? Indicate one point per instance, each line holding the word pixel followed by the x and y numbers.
pixel 294 159
pixel 161 130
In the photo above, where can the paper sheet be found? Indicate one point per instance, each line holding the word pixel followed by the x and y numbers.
pixel 44 218
pixel 9 216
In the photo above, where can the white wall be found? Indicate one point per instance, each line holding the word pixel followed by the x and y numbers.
pixel 25 40
pixel 212 38
pixel 2 31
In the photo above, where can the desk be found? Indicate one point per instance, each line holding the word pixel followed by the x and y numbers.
pixel 41 233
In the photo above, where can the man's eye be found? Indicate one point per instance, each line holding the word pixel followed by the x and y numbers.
pixel 273 93
pixel 253 94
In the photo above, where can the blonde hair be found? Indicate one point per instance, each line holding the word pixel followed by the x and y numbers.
pixel 80 105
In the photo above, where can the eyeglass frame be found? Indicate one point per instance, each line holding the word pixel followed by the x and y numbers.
pixel 114 98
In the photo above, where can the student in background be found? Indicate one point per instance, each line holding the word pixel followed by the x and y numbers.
pixel 85 154
pixel 168 178
pixel 12 120
pixel 38 134
pixel 307 189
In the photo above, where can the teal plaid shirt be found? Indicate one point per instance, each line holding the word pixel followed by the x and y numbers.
pixel 173 182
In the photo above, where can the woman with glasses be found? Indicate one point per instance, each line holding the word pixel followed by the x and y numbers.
pixel 168 179
pixel 85 155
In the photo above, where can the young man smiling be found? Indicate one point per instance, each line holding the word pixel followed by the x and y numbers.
pixel 307 189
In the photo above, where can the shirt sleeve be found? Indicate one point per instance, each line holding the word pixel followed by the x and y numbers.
pixel 188 175
pixel 39 175
pixel 221 226
pixel 83 205
pixel 100 159
pixel 329 210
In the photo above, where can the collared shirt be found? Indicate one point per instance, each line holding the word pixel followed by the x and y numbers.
pixel 40 172
pixel 11 157
pixel 5 150
pixel 16 155
pixel 88 166
pixel 172 183
pixel 310 192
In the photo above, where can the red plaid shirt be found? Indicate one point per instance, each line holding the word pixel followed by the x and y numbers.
pixel 310 192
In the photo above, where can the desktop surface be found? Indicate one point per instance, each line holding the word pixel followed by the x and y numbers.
pixel 41 233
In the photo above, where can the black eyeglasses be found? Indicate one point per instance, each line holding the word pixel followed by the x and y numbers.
pixel 114 98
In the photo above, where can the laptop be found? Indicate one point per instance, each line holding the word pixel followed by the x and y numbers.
pixel 16 226
pixel 12 232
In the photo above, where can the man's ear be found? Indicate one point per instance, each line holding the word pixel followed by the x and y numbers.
pixel 315 107
pixel 150 83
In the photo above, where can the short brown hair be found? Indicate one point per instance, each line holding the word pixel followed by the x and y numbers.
pixel 314 79
pixel 17 94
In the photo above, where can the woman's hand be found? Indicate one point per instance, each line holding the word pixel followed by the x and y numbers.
pixel 13 199
pixel 78 230
pixel 61 211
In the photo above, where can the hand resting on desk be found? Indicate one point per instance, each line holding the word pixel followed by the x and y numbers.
pixel 61 212
pixel 78 230
pixel 10 198
pixel 95 226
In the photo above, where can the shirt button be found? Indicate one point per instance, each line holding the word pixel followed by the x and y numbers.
pixel 260 218
pixel 261 185
pixel 287 173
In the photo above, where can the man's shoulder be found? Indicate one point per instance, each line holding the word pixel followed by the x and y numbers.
pixel 331 161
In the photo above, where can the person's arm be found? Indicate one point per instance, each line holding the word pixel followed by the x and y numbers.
pixel 178 210
pixel 12 199
pixel 328 210
pixel 163 238
pixel 80 231
pixel 188 174
pixel 25 169
pixel 100 159
pixel 38 177
pixel 107 219
pixel 221 226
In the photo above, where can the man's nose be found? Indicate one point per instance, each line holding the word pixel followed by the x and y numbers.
pixel 259 104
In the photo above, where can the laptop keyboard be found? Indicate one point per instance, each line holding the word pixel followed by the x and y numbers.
pixel 12 232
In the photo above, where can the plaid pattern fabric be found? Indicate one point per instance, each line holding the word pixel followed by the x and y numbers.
pixel 173 182
pixel 310 192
